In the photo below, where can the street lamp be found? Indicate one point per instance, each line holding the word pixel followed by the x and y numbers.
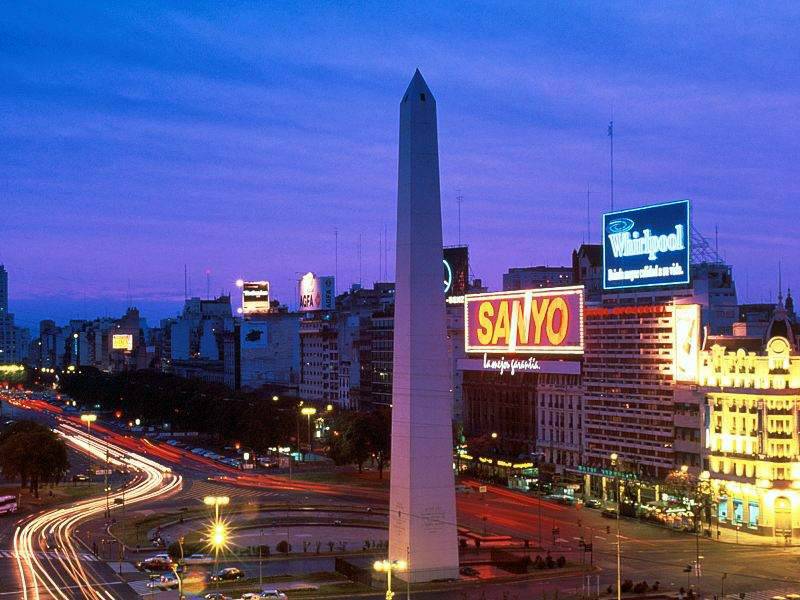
pixel 218 533
pixel 614 461
pixel 89 418
pixel 387 566
pixel 309 411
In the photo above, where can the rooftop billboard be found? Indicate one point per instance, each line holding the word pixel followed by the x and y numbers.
pixel 255 297
pixel 122 341
pixel 538 321
pixel 456 271
pixel 646 246
pixel 316 293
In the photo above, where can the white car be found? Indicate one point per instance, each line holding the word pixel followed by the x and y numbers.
pixel 199 559
pixel 168 581
pixel 272 595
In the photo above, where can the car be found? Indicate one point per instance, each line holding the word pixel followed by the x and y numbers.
pixel 609 513
pixel 80 478
pixel 337 522
pixel 593 503
pixel 468 572
pixel 228 574
pixel 51 542
pixel 159 562
pixel 199 559
pixel 168 581
pixel 216 596
pixel 272 595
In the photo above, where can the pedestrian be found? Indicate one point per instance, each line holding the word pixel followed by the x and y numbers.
pixel 94 548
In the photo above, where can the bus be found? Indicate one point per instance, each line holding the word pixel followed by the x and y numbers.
pixel 8 505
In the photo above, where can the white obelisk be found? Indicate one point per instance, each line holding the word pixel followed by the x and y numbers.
pixel 422 520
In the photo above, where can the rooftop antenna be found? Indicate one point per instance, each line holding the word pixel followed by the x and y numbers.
pixel 359 259
pixel 185 283
pixel 208 284
pixel 588 217
pixel 385 253
pixel 716 239
pixel 611 142
pixel 780 284
pixel 335 258
pixel 380 255
pixel 459 200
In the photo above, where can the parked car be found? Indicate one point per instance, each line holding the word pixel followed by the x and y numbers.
pixel 80 478
pixel 468 572
pixel 216 596
pixel 199 559
pixel 168 581
pixel 593 503
pixel 272 595
pixel 609 513
pixel 228 574
pixel 159 562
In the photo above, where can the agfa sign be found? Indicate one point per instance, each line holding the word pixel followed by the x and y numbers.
pixel 537 321
pixel 646 246
pixel 316 293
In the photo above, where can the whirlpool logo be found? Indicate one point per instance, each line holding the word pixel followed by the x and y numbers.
pixel 620 225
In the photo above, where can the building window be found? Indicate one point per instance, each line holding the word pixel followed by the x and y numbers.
pixel 738 512
pixel 753 514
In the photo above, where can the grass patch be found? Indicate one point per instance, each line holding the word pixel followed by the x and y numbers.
pixel 51 496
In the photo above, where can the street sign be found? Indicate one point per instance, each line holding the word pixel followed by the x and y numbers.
pixel 103 472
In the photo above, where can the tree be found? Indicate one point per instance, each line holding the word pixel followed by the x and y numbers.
pixel 359 435
pixel 34 454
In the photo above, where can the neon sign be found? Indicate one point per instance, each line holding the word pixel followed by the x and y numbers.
pixel 646 246
pixel 538 321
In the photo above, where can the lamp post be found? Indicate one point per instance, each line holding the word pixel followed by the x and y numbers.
pixel 309 411
pixel 702 482
pixel 387 566
pixel 614 462
pixel 218 535
pixel 89 418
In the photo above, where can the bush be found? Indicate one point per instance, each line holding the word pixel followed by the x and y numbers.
pixel 538 562
pixel 641 587
pixel 561 562
pixel 626 586
pixel 283 547
pixel 550 562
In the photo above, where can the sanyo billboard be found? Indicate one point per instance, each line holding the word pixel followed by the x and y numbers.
pixel 646 246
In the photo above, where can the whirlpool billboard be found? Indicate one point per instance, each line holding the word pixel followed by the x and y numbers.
pixel 646 246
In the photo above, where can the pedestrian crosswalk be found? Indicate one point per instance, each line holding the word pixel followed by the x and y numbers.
pixel 200 489
pixel 140 587
pixel 49 555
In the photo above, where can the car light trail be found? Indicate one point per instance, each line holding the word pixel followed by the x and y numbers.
pixel 37 576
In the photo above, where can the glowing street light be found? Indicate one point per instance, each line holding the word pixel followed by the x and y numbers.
pixel 240 283
pixel 494 435
pixel 614 462
pixel 309 411
pixel 218 533
pixel 388 566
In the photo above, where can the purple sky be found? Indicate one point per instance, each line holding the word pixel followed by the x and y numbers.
pixel 235 138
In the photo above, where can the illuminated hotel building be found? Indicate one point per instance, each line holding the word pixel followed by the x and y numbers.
pixel 632 405
pixel 751 390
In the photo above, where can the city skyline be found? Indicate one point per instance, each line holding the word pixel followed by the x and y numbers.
pixel 221 142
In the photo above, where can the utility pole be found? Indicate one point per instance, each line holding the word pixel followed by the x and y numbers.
pixel 459 200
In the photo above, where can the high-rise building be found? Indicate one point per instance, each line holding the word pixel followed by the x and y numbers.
pixel 270 350
pixel 525 278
